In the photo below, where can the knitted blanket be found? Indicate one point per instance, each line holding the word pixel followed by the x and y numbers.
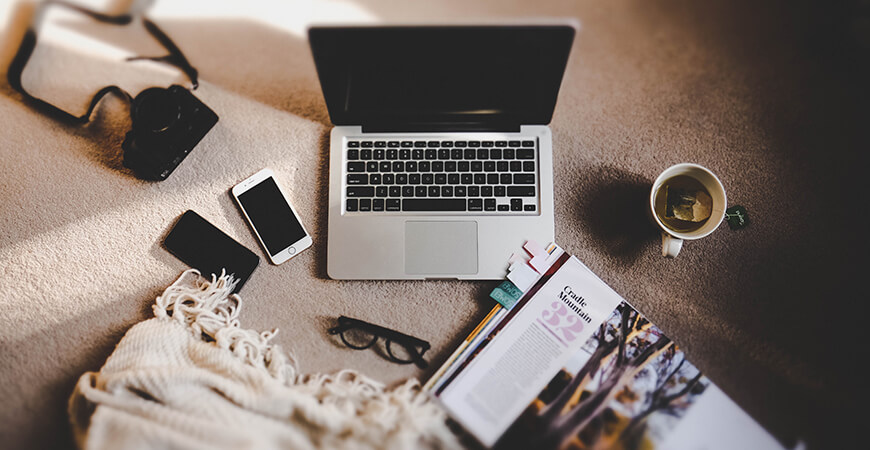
pixel 192 377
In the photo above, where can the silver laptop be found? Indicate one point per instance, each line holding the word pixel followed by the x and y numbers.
pixel 440 162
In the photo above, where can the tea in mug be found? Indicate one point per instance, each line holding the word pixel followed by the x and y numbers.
pixel 683 204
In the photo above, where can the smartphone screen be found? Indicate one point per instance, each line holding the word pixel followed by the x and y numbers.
pixel 203 246
pixel 271 216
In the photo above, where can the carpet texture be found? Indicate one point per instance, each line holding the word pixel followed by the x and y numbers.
pixel 771 97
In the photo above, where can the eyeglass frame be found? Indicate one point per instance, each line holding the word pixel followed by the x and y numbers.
pixel 410 343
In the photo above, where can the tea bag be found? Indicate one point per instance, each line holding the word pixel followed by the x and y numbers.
pixel 688 205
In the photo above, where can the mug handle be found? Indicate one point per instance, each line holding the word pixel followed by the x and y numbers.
pixel 671 245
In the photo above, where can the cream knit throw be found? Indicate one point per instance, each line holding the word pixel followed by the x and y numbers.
pixel 191 377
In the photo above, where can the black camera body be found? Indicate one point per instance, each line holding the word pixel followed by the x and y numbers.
pixel 167 125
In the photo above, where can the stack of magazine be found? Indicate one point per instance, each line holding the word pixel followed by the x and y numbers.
pixel 564 362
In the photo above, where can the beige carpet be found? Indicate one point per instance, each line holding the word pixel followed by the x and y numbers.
pixel 772 98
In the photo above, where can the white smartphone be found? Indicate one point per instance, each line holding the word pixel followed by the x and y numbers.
pixel 271 216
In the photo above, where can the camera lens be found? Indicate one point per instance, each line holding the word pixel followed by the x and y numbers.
pixel 156 111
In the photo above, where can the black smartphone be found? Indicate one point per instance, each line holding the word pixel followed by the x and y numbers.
pixel 203 246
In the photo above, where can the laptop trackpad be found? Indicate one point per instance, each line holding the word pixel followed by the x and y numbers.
pixel 440 248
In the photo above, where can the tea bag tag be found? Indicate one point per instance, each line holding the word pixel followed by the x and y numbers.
pixel 737 217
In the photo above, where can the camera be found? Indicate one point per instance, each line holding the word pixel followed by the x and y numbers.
pixel 167 125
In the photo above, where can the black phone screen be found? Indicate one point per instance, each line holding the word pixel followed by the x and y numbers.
pixel 271 216
pixel 206 248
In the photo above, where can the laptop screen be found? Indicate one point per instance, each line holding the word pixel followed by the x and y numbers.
pixel 476 77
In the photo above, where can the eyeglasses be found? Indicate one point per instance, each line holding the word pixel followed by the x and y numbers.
pixel 401 348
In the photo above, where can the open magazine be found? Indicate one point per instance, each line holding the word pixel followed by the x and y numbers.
pixel 564 362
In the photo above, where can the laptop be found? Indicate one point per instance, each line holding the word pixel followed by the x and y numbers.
pixel 440 161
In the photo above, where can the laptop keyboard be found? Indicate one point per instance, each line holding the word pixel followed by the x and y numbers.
pixel 481 177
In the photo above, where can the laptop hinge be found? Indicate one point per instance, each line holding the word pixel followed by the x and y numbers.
pixel 442 127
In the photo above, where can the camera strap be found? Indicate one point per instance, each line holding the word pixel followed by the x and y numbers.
pixel 175 58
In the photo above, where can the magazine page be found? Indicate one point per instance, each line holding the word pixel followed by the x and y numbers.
pixel 552 322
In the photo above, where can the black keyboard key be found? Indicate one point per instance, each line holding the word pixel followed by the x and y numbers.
pixel 388 178
pixel 456 153
pixel 470 153
pixel 375 178
pixel 508 153
pixel 380 144
pixel 480 178
pixel 447 191
pixel 353 144
pixel 406 144
pixel 395 191
pixel 487 143
pixel 495 153
pixel 357 178
pixel 524 178
pixel 401 178
pixel 419 191
pixel 492 178
pixel 407 191
pixel 419 144
pixel 475 204
pixel 499 191
pixel 439 204
pixel 501 143
pixel 394 204
pixel 463 166
pixel 514 143
pixel 379 154
pixel 501 166
pixel 393 144
pixel 474 191
pixel 352 205
pixel 529 208
pixel 447 143
pixel 424 166
pixel 516 166
pixel 385 166
pixel 466 178
pixel 356 167
pixel 444 153
pixel 486 191
pixel 433 143
pixel 460 144
pixel 365 154
pixel 417 154
pixel 482 153
pixel 440 178
pixel 521 191
pixel 452 178
pixel 434 191
pixel 405 154
pixel 414 178
pixel 528 166
pixel 504 208
pixel 427 178
pixel 525 153
pixel 372 166
pixel 365 204
pixel 516 204
pixel 528 143
pixel 438 166
pixel 459 191
pixel 489 204
pixel 392 154
pixel 489 166
pixel 411 166
pixel 431 153
pixel 474 143
pixel 398 166
pixel 378 204
pixel 450 166
pixel 353 155
pixel 367 144
pixel 506 178
pixel 477 166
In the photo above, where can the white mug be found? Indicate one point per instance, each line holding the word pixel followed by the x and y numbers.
pixel 672 240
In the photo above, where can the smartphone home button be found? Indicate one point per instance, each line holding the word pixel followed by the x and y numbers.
pixel 291 250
